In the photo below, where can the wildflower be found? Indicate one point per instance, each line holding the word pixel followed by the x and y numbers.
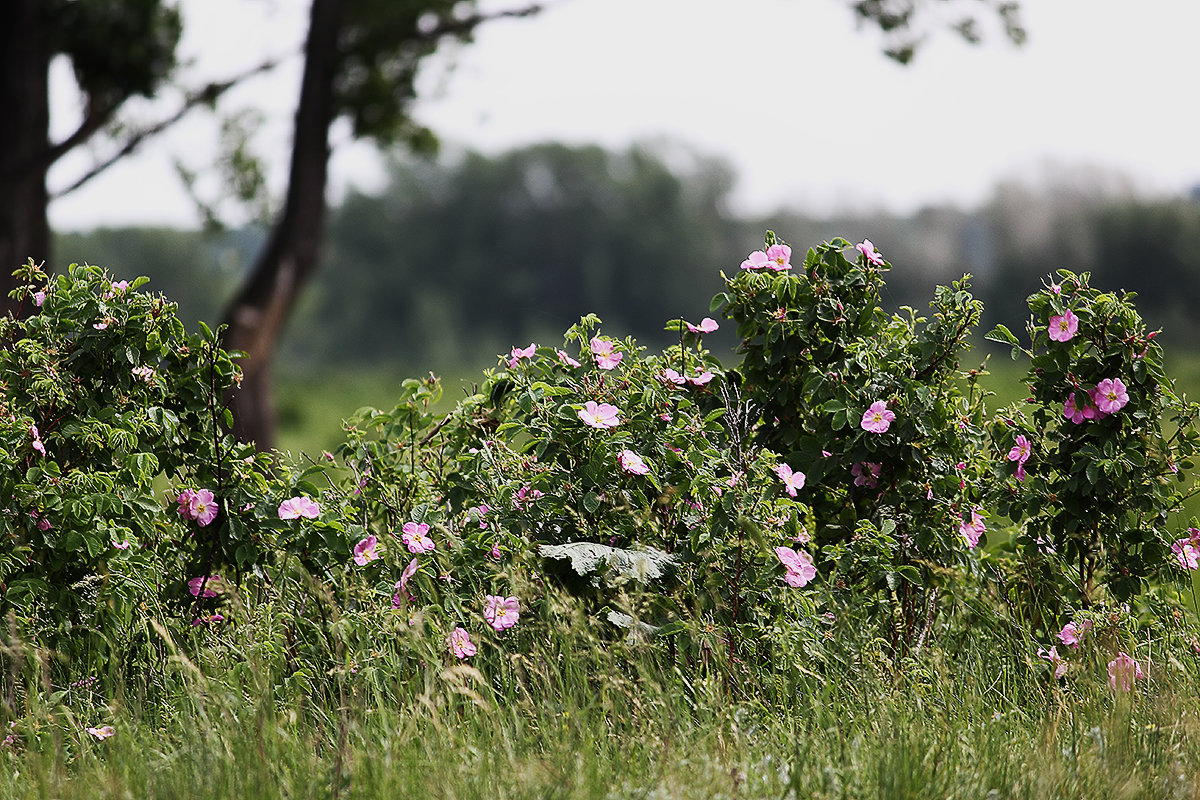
pixel 779 257
pixel 415 536
pixel 1020 453
pixel 1057 661
pixel 37 440
pixel 121 545
pixel 366 551
pixel 101 325
pixel 203 507
pixel 205 584
pixel 143 373
pixel 973 529
pixel 599 415
pixel 184 500
pixel 792 481
pixel 877 418
pixel 632 463
pixel 866 473
pixel 869 252
pixel 501 612
pixel 700 378
pixel 480 511
pixel 1187 551
pixel 494 553
pixel 1072 635
pixel 1123 671
pixel 1071 410
pixel 756 260
pixel 1111 395
pixel 525 495
pixel 1063 326
pixel 460 644
pixel 43 522
pixel 800 569
pixel 101 733
pixel 39 298
pixel 296 507
pixel 707 325
pixel 402 593
pixel 566 360
pixel 671 376
pixel 517 353
pixel 605 352
pixel 210 619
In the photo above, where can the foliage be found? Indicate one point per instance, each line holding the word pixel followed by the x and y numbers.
pixel 105 396
pixel 802 532
pixel 1110 444
pixel 818 355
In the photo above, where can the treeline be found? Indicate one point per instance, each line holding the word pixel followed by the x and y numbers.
pixel 460 259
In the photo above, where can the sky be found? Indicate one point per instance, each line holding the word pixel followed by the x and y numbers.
pixel 799 100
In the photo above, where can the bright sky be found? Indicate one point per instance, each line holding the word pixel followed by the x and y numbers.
pixel 803 104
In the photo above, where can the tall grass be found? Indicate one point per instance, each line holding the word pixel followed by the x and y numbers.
pixel 574 714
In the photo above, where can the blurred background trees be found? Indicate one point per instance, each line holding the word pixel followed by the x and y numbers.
pixel 461 257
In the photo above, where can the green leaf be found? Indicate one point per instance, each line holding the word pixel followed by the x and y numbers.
pixel 591 502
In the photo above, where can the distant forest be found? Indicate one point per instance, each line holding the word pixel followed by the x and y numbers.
pixel 459 259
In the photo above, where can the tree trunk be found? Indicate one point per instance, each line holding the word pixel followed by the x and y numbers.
pixel 24 141
pixel 256 316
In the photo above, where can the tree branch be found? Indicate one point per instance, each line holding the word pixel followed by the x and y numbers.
pixel 206 95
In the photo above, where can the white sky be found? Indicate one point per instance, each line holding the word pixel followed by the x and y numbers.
pixel 804 105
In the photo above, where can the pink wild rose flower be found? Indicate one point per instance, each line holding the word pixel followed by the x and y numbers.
pixel 792 481
pixel 877 418
pixel 366 551
pixel 779 257
pixel 204 507
pixel 605 352
pixel 460 644
pixel 972 529
pixel 501 612
pixel 866 473
pixel 102 732
pixel 517 353
pixel 671 376
pixel 800 569
pixel 1020 453
pixel 415 536
pixel 566 360
pixel 1187 551
pixel 707 325
pixel 599 415
pixel 1057 661
pixel 402 593
pixel 632 463
pixel 756 260
pixel 209 584
pixel 1072 635
pixel 1063 326
pixel 37 440
pixel 1123 671
pixel 869 252
pixel 525 496
pixel 295 507
pixel 1111 395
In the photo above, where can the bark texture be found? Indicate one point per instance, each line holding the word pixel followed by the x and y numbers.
pixel 24 140
pixel 256 316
